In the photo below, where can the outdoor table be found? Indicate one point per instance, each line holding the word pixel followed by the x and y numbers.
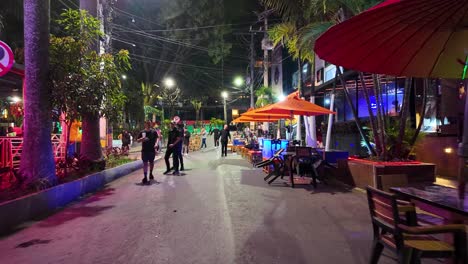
pixel 437 200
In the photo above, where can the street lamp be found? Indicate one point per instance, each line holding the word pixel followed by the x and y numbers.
pixel 124 76
pixel 225 95
pixel 169 82
pixel 238 81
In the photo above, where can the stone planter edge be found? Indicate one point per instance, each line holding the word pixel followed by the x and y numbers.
pixel 15 212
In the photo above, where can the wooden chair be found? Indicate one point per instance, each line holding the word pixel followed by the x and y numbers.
pixel 410 243
pixel 277 162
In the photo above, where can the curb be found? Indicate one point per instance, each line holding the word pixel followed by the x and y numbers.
pixel 13 213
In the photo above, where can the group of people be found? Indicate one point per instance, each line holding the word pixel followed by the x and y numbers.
pixel 177 144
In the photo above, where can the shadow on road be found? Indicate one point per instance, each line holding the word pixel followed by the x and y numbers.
pixel 72 213
pixel 32 242
pixel 98 196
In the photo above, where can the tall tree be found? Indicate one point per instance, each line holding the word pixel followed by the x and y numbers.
pixel 37 161
pixel 90 140
pixel 197 104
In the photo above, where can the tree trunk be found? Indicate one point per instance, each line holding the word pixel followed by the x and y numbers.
pixel 378 145
pixel 403 117
pixel 380 121
pixel 91 141
pixel 353 110
pixel 37 160
pixel 423 113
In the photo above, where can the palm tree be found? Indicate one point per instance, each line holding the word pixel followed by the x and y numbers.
pixel 197 104
pixel 264 96
pixel 304 22
pixel 37 161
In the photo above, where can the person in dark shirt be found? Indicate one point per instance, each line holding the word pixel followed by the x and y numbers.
pixel 215 133
pixel 125 141
pixel 186 141
pixel 225 137
pixel 180 145
pixel 174 138
pixel 148 138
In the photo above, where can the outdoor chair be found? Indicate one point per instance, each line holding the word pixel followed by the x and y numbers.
pixel 277 162
pixel 307 162
pixel 394 230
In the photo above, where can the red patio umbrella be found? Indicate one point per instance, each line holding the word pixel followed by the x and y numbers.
pixel 416 38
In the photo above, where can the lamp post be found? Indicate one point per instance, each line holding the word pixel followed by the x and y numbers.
pixel 169 83
pixel 225 95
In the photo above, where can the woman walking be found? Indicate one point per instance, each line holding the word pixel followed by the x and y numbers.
pixel 203 134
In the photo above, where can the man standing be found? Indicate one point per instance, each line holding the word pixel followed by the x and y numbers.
pixel 215 133
pixel 225 137
pixel 173 140
pixel 179 146
pixel 148 139
pixel 186 141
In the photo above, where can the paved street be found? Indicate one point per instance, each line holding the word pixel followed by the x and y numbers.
pixel 220 211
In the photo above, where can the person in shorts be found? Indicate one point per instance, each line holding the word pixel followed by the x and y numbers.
pixel 148 138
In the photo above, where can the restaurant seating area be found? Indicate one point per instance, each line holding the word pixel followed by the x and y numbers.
pixel 414 221
pixel 280 158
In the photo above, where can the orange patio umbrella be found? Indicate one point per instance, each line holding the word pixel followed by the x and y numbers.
pixel 293 105
pixel 247 119
pixel 256 113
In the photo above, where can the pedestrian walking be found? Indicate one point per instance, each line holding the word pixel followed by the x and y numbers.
pixel 160 138
pixel 186 141
pixel 179 146
pixel 215 133
pixel 203 134
pixel 148 138
pixel 225 137
pixel 173 140
pixel 125 142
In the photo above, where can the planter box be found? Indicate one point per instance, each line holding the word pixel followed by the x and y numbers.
pixel 333 156
pixel 43 203
pixel 361 173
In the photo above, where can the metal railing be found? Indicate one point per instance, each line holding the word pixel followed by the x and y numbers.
pixel 12 147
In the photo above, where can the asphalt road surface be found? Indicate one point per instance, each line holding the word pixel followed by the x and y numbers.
pixel 219 211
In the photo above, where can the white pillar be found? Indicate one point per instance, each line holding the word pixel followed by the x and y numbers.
pixel 298 128
pixel 330 123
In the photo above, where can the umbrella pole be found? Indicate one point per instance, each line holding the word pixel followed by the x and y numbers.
pixel 463 155
pixel 330 123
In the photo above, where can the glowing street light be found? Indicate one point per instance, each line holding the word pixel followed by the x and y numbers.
pixel 225 96
pixel 124 76
pixel 238 81
pixel 169 82
pixel 281 98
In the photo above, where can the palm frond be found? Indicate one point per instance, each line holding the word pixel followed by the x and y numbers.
pixel 288 9
pixel 282 32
